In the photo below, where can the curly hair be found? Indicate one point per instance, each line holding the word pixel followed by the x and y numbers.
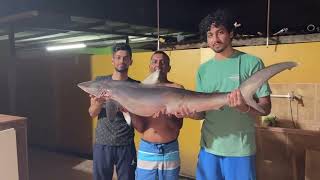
pixel 220 17
pixel 122 46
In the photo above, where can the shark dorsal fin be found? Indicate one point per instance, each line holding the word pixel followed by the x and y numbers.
pixel 153 78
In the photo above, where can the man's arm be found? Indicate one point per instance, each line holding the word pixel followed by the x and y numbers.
pixel 264 103
pixel 96 104
pixel 138 122
pixel 236 101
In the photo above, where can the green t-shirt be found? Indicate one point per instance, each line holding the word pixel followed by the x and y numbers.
pixel 228 132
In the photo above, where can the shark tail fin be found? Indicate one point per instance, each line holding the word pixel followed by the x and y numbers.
pixel 249 87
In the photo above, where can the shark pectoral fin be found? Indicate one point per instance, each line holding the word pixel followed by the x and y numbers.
pixel 153 78
pixel 112 108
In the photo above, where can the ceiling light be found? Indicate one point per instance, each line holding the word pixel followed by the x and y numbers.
pixel 64 47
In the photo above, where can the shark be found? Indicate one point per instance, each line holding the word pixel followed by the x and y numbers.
pixel 148 98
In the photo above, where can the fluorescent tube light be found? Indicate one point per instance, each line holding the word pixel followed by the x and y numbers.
pixel 63 47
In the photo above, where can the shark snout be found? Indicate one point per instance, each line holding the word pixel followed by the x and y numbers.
pixel 87 87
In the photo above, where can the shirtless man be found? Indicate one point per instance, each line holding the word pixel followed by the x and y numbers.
pixel 158 155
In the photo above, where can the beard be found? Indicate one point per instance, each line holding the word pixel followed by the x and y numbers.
pixel 218 49
pixel 122 70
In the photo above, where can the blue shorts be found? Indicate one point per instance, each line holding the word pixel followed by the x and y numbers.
pixel 158 161
pixel 212 167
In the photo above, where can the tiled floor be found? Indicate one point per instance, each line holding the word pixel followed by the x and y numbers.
pixel 44 165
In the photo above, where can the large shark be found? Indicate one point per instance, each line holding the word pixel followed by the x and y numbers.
pixel 147 98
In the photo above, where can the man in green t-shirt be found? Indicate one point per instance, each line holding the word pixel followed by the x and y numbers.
pixel 228 135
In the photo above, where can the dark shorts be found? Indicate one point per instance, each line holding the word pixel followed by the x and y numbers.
pixel 106 157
